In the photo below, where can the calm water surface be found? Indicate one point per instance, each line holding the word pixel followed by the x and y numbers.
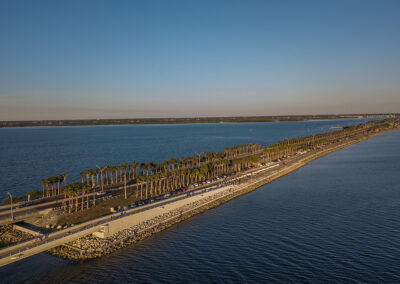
pixel 335 220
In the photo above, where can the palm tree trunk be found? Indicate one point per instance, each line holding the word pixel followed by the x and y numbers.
pixel 83 199
pixel 125 185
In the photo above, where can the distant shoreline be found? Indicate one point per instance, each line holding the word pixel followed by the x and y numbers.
pixel 133 121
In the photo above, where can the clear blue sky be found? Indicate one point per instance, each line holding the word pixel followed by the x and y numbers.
pixel 110 59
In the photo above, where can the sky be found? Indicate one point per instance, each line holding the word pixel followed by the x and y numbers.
pixel 89 59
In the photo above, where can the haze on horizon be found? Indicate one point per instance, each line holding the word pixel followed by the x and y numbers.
pixel 135 59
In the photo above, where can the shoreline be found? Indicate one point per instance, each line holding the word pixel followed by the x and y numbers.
pixel 188 120
pixel 90 247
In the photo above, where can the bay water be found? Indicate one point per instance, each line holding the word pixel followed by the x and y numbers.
pixel 335 220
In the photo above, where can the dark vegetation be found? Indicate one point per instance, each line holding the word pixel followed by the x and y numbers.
pixel 181 120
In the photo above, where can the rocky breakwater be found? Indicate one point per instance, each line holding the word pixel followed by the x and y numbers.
pixel 10 236
pixel 92 247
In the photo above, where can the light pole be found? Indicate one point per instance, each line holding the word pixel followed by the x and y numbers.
pixel 12 216
pixel 101 180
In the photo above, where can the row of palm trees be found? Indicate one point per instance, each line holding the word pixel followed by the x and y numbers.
pixel 145 180
pixel 245 149
pixel 73 194
pixel 151 180
pixel 52 186
pixel 116 174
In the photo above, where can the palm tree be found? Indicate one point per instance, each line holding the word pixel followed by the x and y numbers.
pixel 125 166
pixel 92 173
pixel 58 179
pixel 45 184
pixel 87 174
pixel 111 169
pixel 142 168
pixel 136 167
pixel 125 184
pixel 82 175
pixel 172 162
pixel 65 180
pixel 87 196
pixel 52 180
pixel 68 191
pixel 83 196
pixel 107 169
pixel 116 168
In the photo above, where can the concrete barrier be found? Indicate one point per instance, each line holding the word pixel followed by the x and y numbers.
pixel 26 230
pixel 129 221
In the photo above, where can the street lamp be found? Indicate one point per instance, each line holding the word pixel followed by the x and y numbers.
pixel 101 179
pixel 12 216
